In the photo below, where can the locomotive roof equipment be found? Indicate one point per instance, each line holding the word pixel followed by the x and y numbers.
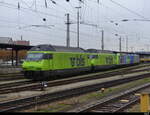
pixel 48 47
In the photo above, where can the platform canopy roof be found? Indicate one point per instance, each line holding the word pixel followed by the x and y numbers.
pixel 14 46
pixel 143 53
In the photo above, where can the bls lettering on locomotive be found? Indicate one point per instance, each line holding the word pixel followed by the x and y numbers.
pixel 77 61
pixel 109 60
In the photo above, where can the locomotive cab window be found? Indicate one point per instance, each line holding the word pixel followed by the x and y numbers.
pixel 34 56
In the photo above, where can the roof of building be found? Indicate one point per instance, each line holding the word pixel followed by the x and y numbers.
pixel 15 47
pixel 6 40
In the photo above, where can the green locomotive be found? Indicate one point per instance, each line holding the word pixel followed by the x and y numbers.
pixel 46 61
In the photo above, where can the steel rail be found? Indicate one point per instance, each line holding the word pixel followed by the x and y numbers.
pixel 29 102
pixel 113 103
pixel 13 84
pixel 127 105
pixel 11 76
pixel 8 74
pixel 15 87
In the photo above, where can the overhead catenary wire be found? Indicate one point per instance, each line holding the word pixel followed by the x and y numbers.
pixel 94 20
pixel 109 19
pixel 106 17
pixel 63 9
pixel 85 13
pixel 25 24
pixel 129 10
pixel 27 4
pixel 24 10
pixel 14 7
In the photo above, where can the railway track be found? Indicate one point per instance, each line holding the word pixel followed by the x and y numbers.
pixel 29 102
pixel 18 75
pixel 11 76
pixel 115 103
pixel 8 74
pixel 15 84
pixel 30 85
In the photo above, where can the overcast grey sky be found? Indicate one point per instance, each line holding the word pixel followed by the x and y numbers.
pixel 15 22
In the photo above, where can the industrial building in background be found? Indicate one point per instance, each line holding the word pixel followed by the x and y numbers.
pixel 22 42
pixel 8 55
pixel 9 40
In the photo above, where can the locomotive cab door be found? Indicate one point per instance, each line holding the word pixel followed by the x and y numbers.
pixel 49 61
